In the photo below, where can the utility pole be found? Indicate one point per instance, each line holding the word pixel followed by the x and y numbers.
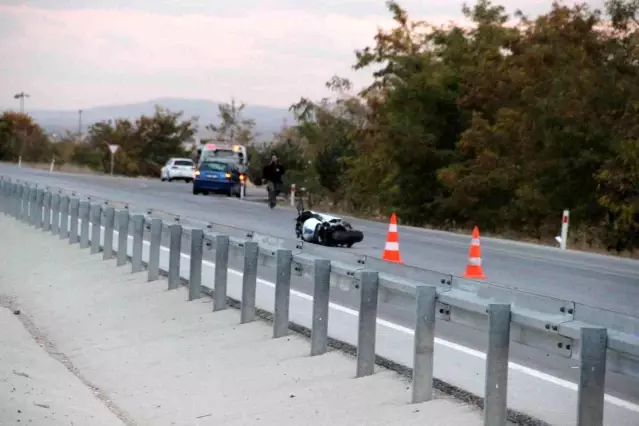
pixel 21 96
pixel 80 123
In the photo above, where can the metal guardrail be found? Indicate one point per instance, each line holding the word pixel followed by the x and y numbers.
pixel 541 322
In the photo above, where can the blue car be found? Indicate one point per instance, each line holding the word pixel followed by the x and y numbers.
pixel 218 177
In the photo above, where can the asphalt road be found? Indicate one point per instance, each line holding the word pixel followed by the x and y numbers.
pixel 600 281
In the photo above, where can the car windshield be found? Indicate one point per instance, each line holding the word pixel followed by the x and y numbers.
pixel 214 166
pixel 221 153
pixel 183 163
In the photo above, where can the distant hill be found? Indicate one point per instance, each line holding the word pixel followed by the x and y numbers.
pixel 268 120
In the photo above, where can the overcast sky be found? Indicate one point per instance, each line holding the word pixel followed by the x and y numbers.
pixel 80 53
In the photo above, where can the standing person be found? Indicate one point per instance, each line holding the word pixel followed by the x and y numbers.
pixel 272 173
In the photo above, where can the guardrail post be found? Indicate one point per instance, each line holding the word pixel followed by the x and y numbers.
pixel 32 198
pixel 55 214
pixel 32 206
pixel 282 293
pixel 424 344
pixel 49 212
pixel 138 238
pixel 367 323
pixel 18 207
pixel 16 200
pixel 109 225
pixel 592 376
pixel 9 198
pixel 4 198
pixel 13 194
pixel 24 211
pixel 39 206
pixel 46 207
pixel 4 189
pixel 195 277
pixel 154 249
pixel 85 208
pixel 32 195
pixel 123 237
pixel 9 201
pixel 74 213
pixel 64 217
pixel 321 293
pixel 6 192
pixel 26 199
pixel 249 282
pixel 221 272
pixel 496 389
pixel 12 198
pixel 96 228
pixel 175 254
pixel 7 195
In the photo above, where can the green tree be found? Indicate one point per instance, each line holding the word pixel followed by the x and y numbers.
pixel 144 145
pixel 22 137
pixel 325 132
pixel 619 193
pixel 6 139
pixel 233 126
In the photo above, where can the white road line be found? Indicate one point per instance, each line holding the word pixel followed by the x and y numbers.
pixel 463 349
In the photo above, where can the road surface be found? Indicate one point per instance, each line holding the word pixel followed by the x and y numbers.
pixel 602 281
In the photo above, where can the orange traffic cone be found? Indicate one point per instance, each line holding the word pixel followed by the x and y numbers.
pixel 391 250
pixel 474 269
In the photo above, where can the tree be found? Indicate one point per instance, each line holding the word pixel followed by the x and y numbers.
pixel 6 139
pixel 326 131
pixel 233 127
pixel 619 193
pixel 22 137
pixel 492 124
pixel 144 145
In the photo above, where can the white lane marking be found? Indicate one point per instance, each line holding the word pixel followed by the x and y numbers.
pixel 454 346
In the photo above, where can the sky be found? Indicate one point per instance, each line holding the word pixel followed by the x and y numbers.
pixel 73 54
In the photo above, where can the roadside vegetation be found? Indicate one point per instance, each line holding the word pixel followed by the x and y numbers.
pixel 502 122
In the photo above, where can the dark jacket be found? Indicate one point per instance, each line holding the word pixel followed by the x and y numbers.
pixel 273 172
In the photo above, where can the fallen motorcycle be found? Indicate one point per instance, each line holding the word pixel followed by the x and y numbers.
pixel 324 229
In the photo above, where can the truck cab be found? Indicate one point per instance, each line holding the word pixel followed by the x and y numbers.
pixel 231 153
